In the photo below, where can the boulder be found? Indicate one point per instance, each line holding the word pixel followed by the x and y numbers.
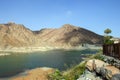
pixel 105 73
pixel 108 71
pixel 89 76
pixel 116 77
pixel 102 68
pixel 98 69
pixel 113 69
pixel 94 63
pixel 112 61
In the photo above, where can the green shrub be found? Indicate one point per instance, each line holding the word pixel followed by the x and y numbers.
pixel 71 74
pixel 57 75
pixel 97 56
pixel 75 72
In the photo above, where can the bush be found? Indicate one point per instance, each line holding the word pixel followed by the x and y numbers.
pixel 57 75
pixel 71 74
pixel 75 72
pixel 97 56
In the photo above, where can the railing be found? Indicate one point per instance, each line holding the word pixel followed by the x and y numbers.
pixel 112 50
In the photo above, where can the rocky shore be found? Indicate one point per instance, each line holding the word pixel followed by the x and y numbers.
pixel 105 69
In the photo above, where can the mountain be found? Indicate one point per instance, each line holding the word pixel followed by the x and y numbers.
pixel 17 35
pixel 14 35
pixel 68 35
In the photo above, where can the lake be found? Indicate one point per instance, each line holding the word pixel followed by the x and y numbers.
pixel 11 65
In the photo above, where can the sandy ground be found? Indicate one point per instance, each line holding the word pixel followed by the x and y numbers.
pixel 36 74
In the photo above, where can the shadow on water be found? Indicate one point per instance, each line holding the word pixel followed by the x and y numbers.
pixel 60 59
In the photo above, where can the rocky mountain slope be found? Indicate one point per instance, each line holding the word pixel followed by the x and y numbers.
pixel 14 35
pixel 17 35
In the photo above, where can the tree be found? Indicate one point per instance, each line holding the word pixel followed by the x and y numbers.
pixel 108 37
pixel 107 31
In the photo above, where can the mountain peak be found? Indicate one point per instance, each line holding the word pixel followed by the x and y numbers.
pixel 11 22
pixel 69 27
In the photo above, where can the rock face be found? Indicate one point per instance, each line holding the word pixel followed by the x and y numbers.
pixel 89 76
pixel 111 60
pixel 116 77
pixel 107 71
pixel 16 35
pixel 93 64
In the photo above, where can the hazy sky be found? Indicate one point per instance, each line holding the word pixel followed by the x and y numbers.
pixel 95 15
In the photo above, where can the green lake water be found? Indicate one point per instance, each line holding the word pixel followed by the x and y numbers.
pixel 14 64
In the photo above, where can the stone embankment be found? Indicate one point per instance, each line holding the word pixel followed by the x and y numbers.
pixel 106 69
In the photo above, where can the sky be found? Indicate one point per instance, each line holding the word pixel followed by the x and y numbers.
pixel 94 15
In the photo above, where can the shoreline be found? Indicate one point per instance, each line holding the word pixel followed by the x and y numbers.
pixel 27 74
pixel 37 49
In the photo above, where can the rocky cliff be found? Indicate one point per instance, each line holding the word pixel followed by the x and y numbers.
pixel 17 35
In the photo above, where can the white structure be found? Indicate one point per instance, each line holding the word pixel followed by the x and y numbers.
pixel 116 40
